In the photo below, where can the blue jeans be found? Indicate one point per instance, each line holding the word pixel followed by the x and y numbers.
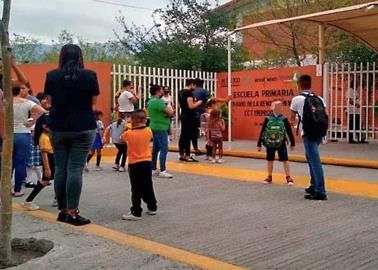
pixel 21 149
pixel 160 144
pixel 70 152
pixel 314 163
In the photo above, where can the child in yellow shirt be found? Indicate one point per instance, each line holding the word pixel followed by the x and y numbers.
pixel 48 164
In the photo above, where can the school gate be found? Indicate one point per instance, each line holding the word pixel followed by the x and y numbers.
pixel 353 101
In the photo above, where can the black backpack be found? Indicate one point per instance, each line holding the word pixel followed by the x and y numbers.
pixel 315 118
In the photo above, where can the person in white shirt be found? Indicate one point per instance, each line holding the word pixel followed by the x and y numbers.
pixel 126 98
pixel 316 191
pixel 22 108
pixel 353 102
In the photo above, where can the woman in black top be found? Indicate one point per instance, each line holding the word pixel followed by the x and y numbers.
pixel 188 119
pixel 73 91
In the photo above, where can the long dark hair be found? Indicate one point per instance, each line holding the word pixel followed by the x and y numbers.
pixel 71 61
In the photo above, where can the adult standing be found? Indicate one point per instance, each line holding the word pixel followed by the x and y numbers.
pixel 316 191
pixel 202 94
pixel 188 120
pixel 353 111
pixel 159 114
pixel 22 109
pixel 73 91
pixel 127 99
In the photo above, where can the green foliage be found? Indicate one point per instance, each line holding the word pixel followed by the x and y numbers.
pixel 351 50
pixel 26 48
pixel 192 35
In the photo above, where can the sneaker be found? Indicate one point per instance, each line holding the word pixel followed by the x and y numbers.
pixel 122 169
pixel 164 174
pixel 86 168
pixel 55 203
pixel 130 216
pixel 99 168
pixel 30 206
pixel 214 161
pixel 207 158
pixel 62 217
pixel 316 197
pixel 268 180
pixel 220 161
pixel 289 180
pixel 116 167
pixel 30 185
pixel 151 213
pixel 182 159
pixel 191 159
pixel 155 172
pixel 77 220
pixel 309 190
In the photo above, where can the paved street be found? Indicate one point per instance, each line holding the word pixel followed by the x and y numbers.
pixel 244 223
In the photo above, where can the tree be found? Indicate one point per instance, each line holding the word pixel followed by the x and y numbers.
pixel 27 49
pixel 6 199
pixel 191 35
pixel 290 43
pixel 110 51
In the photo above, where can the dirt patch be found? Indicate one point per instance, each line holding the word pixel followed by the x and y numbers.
pixel 24 250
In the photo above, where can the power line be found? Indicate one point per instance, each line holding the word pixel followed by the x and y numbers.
pixel 120 4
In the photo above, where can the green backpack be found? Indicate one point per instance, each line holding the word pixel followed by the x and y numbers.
pixel 274 133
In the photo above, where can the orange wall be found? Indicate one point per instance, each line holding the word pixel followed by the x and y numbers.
pixel 253 91
pixel 36 74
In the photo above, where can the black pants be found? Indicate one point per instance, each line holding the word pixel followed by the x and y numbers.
pixel 141 187
pixel 354 125
pixel 188 134
pixel 194 139
pixel 121 154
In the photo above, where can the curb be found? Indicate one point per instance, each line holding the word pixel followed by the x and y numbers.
pixel 359 163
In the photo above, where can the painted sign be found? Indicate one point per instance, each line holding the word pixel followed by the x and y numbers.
pixel 253 92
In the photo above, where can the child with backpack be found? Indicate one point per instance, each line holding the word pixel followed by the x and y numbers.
pixel 42 139
pixel 273 136
pixel 214 135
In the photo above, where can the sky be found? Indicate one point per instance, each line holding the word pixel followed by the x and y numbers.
pixel 89 19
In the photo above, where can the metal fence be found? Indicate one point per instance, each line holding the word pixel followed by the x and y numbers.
pixel 352 99
pixel 174 78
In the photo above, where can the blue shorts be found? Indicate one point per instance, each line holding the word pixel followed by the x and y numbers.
pixel 97 144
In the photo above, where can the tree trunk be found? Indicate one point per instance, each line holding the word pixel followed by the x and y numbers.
pixel 6 163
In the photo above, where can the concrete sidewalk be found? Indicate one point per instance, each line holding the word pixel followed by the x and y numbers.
pixel 80 251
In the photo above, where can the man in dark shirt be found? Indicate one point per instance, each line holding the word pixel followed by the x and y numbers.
pixel 200 94
pixel 188 118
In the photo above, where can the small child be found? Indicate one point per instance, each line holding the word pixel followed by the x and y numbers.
pixel 140 172
pixel 34 163
pixel 115 130
pixel 97 144
pixel 167 98
pixel 273 135
pixel 48 164
pixel 214 135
